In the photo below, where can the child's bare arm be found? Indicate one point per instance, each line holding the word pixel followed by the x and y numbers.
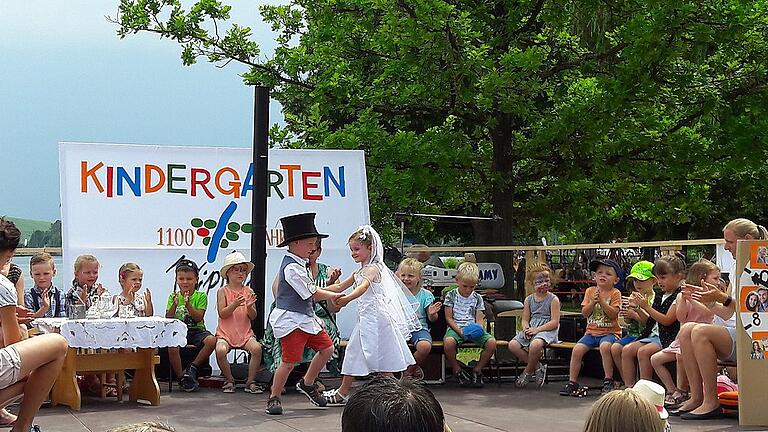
pixel 341 285
pixel 526 321
pixel 554 320
pixel 662 319
pixel 451 322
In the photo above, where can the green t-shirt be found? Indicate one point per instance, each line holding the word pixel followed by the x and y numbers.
pixel 198 300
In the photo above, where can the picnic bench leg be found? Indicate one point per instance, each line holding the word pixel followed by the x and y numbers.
pixel 65 390
pixel 144 385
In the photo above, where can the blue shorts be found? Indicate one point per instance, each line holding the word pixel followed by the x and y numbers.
pixel 652 339
pixel 595 341
pixel 626 340
pixel 420 335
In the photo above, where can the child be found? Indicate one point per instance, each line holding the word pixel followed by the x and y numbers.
pixel 662 325
pixel 601 308
pixel 130 277
pixel 85 286
pixel 28 368
pixel 409 273
pixel 44 298
pixel 236 304
pixel 189 305
pixel 461 309
pixel 386 316
pixel 293 319
pixel 688 310
pixel 642 280
pixel 541 324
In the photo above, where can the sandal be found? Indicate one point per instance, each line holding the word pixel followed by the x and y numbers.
pixel 228 387
pixel 334 398
pixel 675 399
pixel 252 387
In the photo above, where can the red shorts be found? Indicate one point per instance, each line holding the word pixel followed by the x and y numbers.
pixel 293 344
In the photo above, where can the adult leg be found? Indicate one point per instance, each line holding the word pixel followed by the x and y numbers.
pixel 708 342
pixel 644 359
pixel 607 358
pixel 41 360
pixel 628 368
pixel 691 366
pixel 222 349
pixel 576 356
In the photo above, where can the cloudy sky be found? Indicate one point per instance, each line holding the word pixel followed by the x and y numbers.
pixel 66 76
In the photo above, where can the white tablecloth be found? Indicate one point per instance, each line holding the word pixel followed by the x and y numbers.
pixel 144 332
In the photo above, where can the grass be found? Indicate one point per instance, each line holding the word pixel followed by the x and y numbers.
pixel 28 226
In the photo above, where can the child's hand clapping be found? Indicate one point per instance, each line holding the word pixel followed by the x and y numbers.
pixel 147 296
pixel 638 298
pixel 434 308
pixel 239 301
pixel 46 297
pixel 595 298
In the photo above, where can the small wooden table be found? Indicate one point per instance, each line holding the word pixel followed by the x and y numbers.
pixel 112 344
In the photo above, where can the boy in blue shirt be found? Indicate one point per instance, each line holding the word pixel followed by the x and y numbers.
pixel 409 273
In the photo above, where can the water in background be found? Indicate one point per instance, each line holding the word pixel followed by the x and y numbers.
pixel 62 274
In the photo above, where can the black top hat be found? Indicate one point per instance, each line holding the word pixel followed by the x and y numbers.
pixel 299 226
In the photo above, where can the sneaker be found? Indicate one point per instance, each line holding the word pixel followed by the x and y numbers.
pixel 523 379
pixel 477 379
pixel 463 378
pixel 312 393
pixel 334 398
pixel 274 406
pixel 607 386
pixel 570 389
pixel 541 375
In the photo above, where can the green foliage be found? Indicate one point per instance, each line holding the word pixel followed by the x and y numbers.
pixel 596 119
pixel 451 263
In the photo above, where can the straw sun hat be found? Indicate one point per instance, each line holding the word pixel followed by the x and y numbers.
pixel 233 259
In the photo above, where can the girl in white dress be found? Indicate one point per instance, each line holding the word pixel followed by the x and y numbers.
pixel 386 316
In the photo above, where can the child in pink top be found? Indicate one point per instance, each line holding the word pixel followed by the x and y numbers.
pixel 237 308
pixel 687 311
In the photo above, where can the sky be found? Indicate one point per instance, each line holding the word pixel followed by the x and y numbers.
pixel 65 75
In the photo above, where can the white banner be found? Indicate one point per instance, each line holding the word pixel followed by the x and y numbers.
pixel 153 205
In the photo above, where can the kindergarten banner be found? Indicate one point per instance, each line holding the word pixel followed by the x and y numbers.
pixel 154 205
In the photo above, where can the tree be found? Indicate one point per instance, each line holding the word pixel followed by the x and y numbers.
pixel 54 234
pixel 601 119
pixel 38 239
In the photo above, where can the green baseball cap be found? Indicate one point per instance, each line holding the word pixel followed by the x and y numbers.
pixel 642 270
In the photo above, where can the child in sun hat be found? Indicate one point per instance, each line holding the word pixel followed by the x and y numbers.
pixel 236 304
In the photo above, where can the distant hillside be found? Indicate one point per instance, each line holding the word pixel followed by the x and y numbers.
pixel 28 226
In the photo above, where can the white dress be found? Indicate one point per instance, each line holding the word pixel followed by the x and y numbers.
pixel 375 345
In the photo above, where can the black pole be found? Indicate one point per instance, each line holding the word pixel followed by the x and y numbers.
pixel 259 203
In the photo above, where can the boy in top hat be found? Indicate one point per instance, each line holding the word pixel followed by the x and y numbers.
pixel 293 319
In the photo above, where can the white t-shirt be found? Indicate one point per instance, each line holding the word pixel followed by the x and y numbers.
pixel 464 308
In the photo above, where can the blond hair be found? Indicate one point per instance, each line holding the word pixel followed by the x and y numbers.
pixel 699 270
pixel 41 258
pixel 743 227
pixel 411 263
pixel 84 259
pixel 623 411
pixel 128 267
pixel 144 427
pixel 468 272
pixel 532 270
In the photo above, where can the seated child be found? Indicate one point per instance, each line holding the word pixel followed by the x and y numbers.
pixel 687 310
pixel 662 325
pixel 236 304
pixel 188 305
pixel 130 277
pixel 461 312
pixel 541 324
pixel 44 298
pixel 601 308
pixel 409 273
pixel 631 317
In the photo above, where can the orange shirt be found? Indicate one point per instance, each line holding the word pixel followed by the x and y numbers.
pixel 598 323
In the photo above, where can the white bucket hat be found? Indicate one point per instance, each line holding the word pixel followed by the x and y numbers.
pixel 233 259
pixel 654 394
